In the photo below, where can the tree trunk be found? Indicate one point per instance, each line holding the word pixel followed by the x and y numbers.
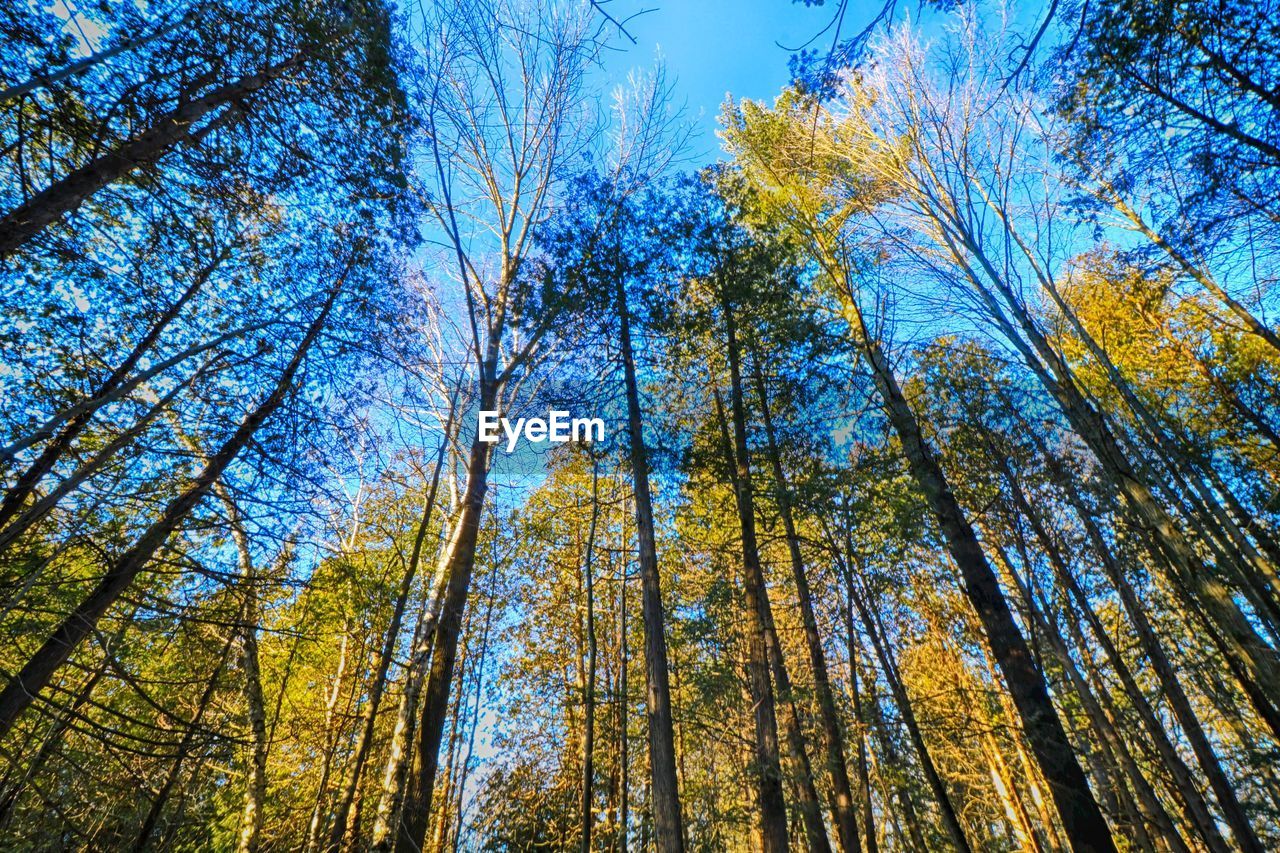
pixel 1254 663
pixel 669 835
pixel 844 815
pixel 456 564
pixel 16 496
pixel 864 776
pixel 1184 784
pixel 1085 826
pixel 44 662
pixel 142 150
pixel 1171 685
pixel 589 695
pixel 343 827
pixel 771 806
pixel 624 786
pixel 950 820
pixel 314 826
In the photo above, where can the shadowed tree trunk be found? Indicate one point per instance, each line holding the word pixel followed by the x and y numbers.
pixel 669 836
pixel 35 675
pixel 143 149
pixel 770 804
pixel 1082 819
pixel 843 807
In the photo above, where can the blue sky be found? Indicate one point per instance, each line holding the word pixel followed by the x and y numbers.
pixel 716 46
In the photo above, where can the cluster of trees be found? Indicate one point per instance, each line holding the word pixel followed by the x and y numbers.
pixel 940 505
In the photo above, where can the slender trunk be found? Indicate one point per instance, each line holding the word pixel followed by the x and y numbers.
pixel 185 745
pixel 456 564
pixel 316 822
pixel 343 827
pixel 1254 663
pixel 1015 810
pixel 624 788
pixel 45 661
pixel 256 784
pixel 16 496
pixel 1170 684
pixel 855 694
pixel 1116 755
pixel 885 739
pixel 843 808
pixel 475 719
pixel 400 755
pixel 770 804
pixel 669 835
pixel 589 695
pixel 168 131
pixel 1085 826
pixel 443 817
pixel 950 820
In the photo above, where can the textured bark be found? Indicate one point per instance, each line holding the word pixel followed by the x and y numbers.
pixel 844 815
pixel 1081 818
pixel 669 836
pixel 142 150
pixel 35 675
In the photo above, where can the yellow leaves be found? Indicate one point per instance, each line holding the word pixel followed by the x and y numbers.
pixel 811 169
pixel 1175 348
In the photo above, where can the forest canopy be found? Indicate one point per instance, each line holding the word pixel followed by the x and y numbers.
pixel 410 439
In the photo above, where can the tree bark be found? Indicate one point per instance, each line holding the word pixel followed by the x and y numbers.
pixel 456 563
pixel 770 804
pixel 1085 826
pixel 586 813
pixel 35 675
pixel 669 835
pixel 66 195
pixel 343 828
pixel 844 815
